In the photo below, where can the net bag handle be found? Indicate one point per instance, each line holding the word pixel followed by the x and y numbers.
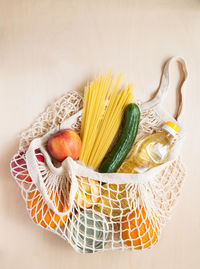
pixel 164 87
pixel 65 169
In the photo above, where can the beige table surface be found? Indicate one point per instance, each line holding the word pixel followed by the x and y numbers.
pixel 49 47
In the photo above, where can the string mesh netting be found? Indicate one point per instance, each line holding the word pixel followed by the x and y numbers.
pixel 90 213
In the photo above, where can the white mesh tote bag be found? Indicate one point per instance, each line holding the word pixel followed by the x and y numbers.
pixel 99 211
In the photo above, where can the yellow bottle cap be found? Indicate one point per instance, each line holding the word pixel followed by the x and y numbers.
pixel 171 127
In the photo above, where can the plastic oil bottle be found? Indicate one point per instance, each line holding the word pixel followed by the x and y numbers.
pixel 150 151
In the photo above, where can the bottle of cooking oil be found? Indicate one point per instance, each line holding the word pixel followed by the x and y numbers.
pixel 152 150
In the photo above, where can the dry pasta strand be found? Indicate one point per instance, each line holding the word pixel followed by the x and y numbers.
pixel 103 109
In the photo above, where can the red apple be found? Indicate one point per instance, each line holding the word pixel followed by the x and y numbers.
pixel 19 168
pixel 66 143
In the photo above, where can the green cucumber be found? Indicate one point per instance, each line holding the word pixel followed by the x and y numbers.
pixel 124 144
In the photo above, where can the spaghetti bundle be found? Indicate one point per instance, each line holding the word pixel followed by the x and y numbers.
pixel 104 104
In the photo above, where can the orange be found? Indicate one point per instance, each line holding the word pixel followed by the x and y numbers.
pixel 42 214
pixel 139 230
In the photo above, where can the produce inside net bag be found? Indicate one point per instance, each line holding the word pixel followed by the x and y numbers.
pixel 76 166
